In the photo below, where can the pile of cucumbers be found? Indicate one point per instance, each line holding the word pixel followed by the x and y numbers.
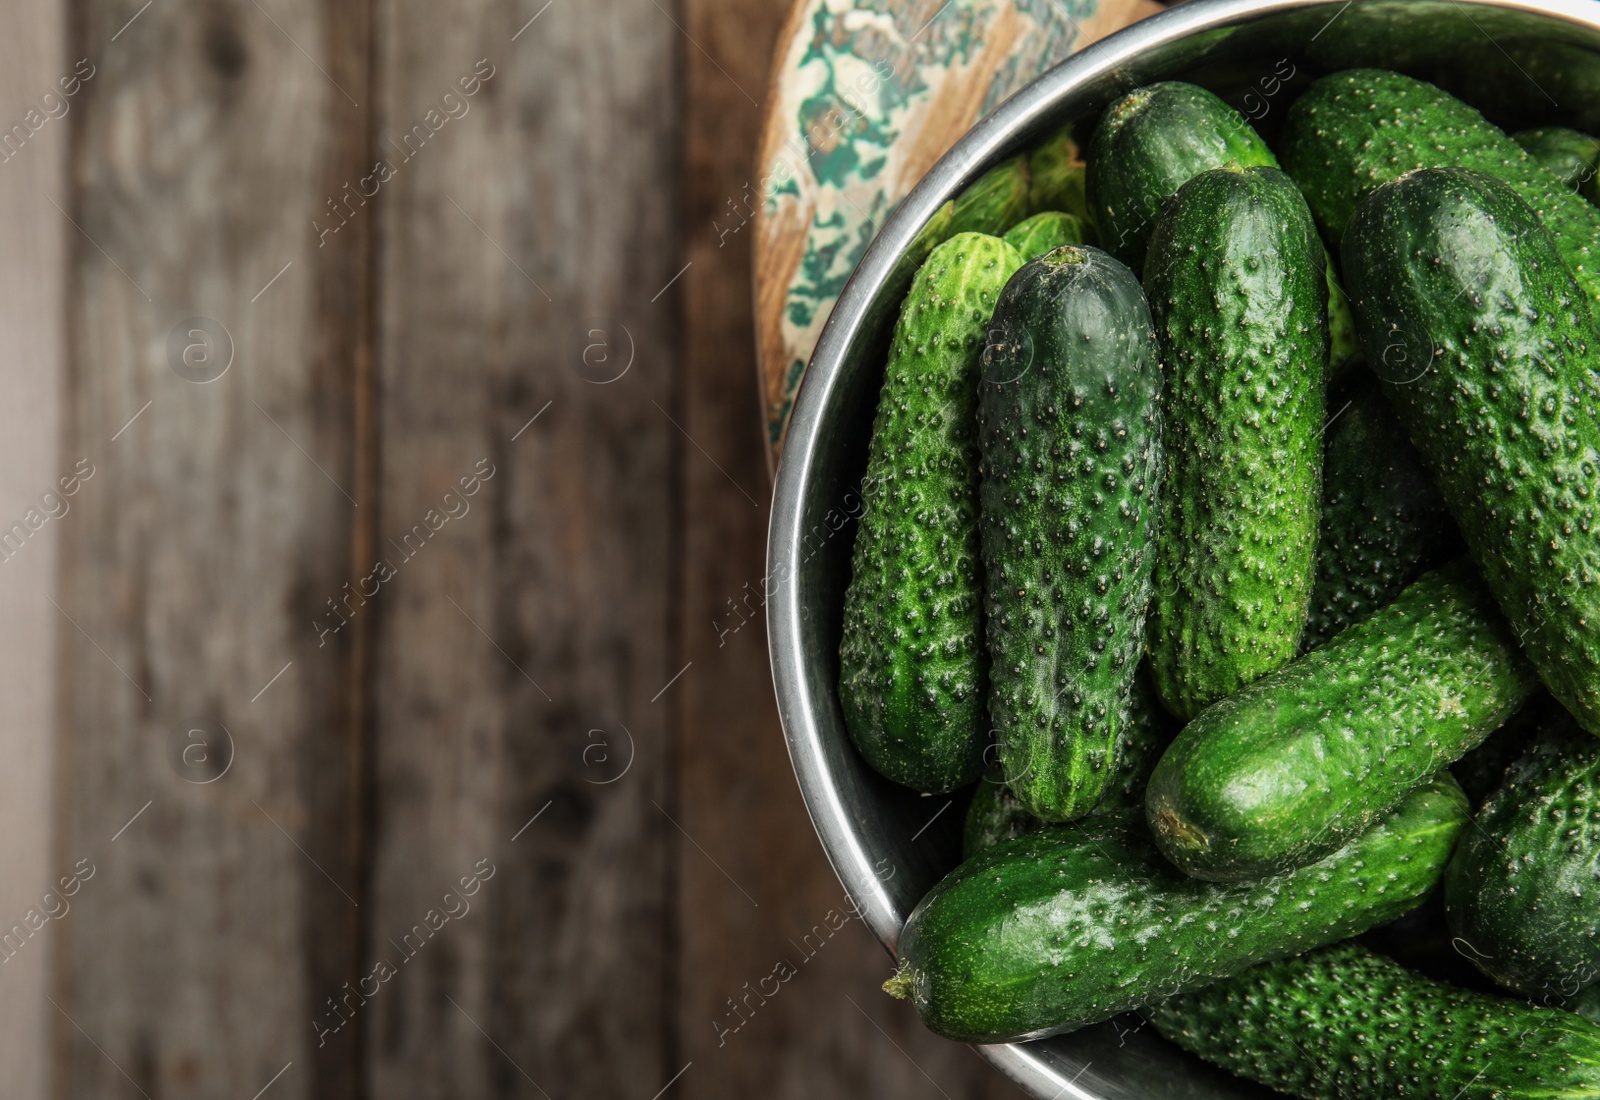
pixel 1232 502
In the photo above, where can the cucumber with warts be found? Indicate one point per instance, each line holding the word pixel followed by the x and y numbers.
pixel 912 660
pixel 1069 431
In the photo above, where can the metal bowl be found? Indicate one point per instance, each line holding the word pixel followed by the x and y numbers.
pixel 1522 63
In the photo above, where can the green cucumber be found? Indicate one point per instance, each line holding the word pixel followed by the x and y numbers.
pixel 912 660
pixel 1069 430
pixel 1294 765
pixel 1523 891
pixel 995 815
pixel 1033 237
pixel 991 204
pixel 1346 1024
pixel 1148 144
pixel 1056 177
pixel 1154 140
pixel 1070 925
pixel 1569 155
pixel 1356 130
pixel 1482 770
pixel 1485 345
pixel 1234 274
pixel 1383 521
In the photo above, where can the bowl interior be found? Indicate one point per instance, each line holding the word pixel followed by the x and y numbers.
pixel 1522 64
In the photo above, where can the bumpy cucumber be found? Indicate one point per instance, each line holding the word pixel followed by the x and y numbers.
pixel 1383 521
pixel 1070 434
pixel 1154 140
pixel 1485 345
pixel 1070 925
pixel 1523 891
pixel 1298 762
pixel 995 815
pixel 1240 306
pixel 911 661
pixel 1569 155
pixel 1356 130
pixel 1033 237
pixel 1346 1024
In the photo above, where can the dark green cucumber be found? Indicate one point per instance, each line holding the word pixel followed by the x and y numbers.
pixel 1148 144
pixel 1569 155
pixel 1346 1024
pixel 1292 766
pixel 1240 307
pixel 1070 433
pixel 1485 345
pixel 1033 237
pixel 1383 521
pixel 995 815
pixel 1154 140
pixel 1356 130
pixel 1523 891
pixel 911 662
pixel 1070 925
pixel 1482 770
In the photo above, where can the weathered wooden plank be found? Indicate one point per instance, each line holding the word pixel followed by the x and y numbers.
pixel 779 991
pixel 222 514
pixel 32 59
pixel 534 222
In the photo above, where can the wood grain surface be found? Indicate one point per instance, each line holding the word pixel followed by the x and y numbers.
pixel 521 647
pixel 213 917
pixel 463 550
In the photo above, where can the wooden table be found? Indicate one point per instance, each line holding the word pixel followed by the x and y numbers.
pixel 380 684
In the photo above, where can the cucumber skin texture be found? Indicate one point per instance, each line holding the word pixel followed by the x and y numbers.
pixel 995 815
pixel 1523 891
pixel 1491 366
pixel 1070 925
pixel 1234 275
pixel 1154 140
pixel 1298 762
pixel 1043 232
pixel 1335 152
pixel 1346 1024
pixel 1566 153
pixel 1069 428
pixel 1148 144
pixel 1383 521
pixel 912 661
